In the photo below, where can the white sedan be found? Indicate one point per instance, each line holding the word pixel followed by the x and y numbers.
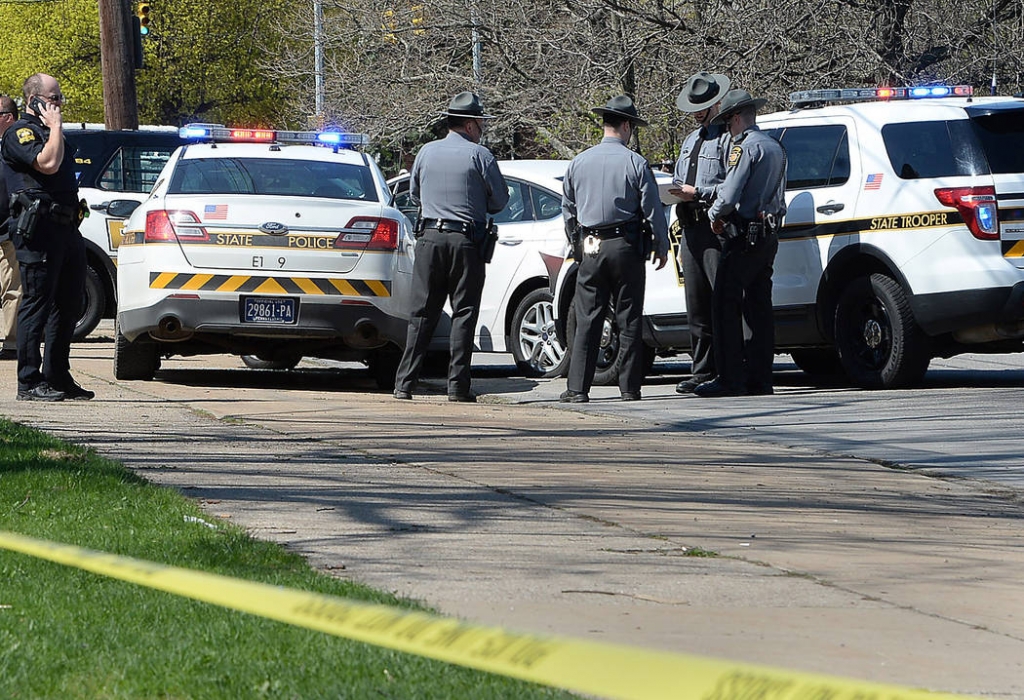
pixel 516 311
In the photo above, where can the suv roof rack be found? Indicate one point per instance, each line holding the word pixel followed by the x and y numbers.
pixel 809 98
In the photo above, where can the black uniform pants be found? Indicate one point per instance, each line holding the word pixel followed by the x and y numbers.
pixel 743 294
pixel 53 292
pixel 700 254
pixel 448 265
pixel 615 276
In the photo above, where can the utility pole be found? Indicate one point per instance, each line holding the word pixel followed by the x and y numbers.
pixel 120 104
pixel 318 62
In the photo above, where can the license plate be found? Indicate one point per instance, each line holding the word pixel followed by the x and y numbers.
pixel 269 310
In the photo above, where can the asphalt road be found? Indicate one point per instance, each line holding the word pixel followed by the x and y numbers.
pixel 964 422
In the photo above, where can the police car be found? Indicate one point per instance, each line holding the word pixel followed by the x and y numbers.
pixel 903 241
pixel 115 170
pixel 262 243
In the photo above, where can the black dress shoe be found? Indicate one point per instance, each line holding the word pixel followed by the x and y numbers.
pixel 403 395
pixel 462 398
pixel 716 387
pixel 76 393
pixel 8 354
pixel 688 385
pixel 40 392
pixel 760 390
pixel 570 396
pixel 630 396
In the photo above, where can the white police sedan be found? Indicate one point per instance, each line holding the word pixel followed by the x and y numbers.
pixel 262 243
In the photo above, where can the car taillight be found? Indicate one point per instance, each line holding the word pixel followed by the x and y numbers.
pixel 380 234
pixel 977 206
pixel 163 225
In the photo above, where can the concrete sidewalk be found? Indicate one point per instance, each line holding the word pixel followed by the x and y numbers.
pixel 545 519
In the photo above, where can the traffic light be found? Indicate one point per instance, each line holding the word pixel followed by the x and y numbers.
pixel 417 20
pixel 143 11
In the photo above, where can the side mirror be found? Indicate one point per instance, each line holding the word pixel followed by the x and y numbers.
pixel 121 208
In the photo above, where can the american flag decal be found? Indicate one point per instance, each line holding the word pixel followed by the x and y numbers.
pixel 215 211
pixel 873 182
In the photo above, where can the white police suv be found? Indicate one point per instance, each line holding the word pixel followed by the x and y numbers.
pixel 262 243
pixel 904 238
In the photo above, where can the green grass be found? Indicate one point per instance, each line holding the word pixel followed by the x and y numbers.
pixel 67 633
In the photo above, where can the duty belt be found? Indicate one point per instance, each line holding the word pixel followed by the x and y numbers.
pixel 445 225
pixel 61 214
pixel 627 228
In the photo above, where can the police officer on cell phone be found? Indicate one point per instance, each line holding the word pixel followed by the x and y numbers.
pixel 457 183
pixel 45 215
pixel 699 172
pixel 747 215
pixel 613 213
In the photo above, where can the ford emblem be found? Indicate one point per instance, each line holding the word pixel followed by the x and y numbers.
pixel 274 228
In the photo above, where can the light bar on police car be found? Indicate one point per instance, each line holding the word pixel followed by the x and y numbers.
pixel 804 97
pixel 223 134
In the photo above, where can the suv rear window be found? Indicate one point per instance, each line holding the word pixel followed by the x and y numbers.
pixel 273 176
pixel 1002 138
pixel 919 150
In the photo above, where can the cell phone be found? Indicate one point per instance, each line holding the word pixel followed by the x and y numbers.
pixel 36 105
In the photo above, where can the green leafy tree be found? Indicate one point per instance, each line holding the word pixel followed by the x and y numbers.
pixel 202 59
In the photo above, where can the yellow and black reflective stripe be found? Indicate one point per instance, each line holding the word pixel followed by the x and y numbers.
pixel 875 224
pixel 258 284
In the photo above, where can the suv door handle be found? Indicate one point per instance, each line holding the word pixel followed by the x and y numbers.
pixel 830 208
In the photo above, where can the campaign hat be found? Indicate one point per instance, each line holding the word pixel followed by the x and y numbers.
pixel 621 106
pixel 736 100
pixel 466 104
pixel 702 90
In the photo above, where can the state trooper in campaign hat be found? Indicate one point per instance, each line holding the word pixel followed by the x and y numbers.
pixel 747 214
pixel 457 184
pixel 613 216
pixel 699 171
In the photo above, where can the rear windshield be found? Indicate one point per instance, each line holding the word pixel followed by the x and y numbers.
pixel 1002 138
pixel 919 150
pixel 273 176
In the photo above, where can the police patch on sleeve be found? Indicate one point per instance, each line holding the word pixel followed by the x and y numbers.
pixel 734 156
pixel 26 136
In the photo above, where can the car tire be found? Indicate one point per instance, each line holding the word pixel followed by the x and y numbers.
pixel 880 345
pixel 284 363
pixel 383 365
pixel 137 360
pixel 609 361
pixel 93 305
pixel 535 347
pixel 818 362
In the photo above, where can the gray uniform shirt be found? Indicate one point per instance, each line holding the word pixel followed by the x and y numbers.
pixel 756 181
pixel 456 179
pixel 711 168
pixel 609 184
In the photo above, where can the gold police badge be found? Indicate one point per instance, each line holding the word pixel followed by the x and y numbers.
pixel 734 156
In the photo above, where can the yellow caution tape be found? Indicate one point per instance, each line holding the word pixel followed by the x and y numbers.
pixel 605 670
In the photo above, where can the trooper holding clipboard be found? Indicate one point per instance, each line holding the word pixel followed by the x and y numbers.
pixel 698 173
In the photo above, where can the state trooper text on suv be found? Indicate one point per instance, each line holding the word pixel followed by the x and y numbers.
pixel 903 241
